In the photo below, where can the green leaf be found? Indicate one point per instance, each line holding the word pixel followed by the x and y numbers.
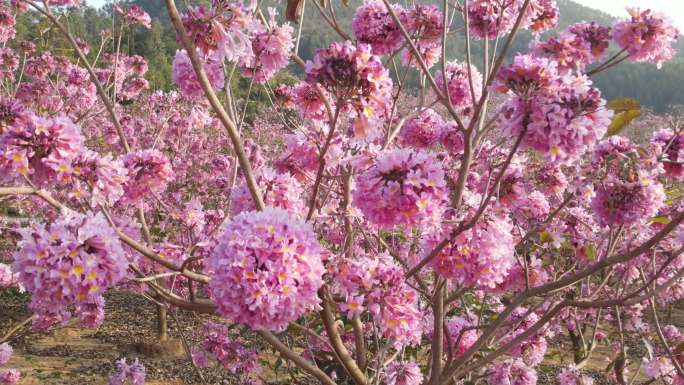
pixel 545 237
pixel 661 219
pixel 626 110
pixel 590 252
pixel 624 104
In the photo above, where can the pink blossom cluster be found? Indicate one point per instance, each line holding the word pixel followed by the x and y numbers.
pixel 149 172
pixel 222 31
pixel 98 178
pixel 42 149
pixel 184 76
pixel 219 346
pixel 489 19
pixel 403 373
pixel 300 157
pixel 128 374
pixel 7 376
pixel 480 257
pixel 625 202
pixel 308 100
pixel 266 269
pixel 512 372
pixel 559 117
pixel 271 51
pixel 424 23
pixel 574 376
pixel 7 23
pixel 403 187
pixel 670 148
pixel 377 284
pixel 54 85
pixel 577 46
pixel 133 14
pixel 462 334
pixel 373 25
pixel 7 277
pixel 69 262
pixel 629 192
pixel 463 85
pixel 422 131
pixel 278 190
pixel 532 349
pixel 356 77
pixel 647 36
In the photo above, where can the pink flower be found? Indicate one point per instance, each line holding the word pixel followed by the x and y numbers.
pixel 271 48
pixel 458 85
pixel 479 257
pixel 575 47
pixel 526 76
pixel 40 148
pixel 266 269
pixel 7 277
pixel 648 36
pixel 373 25
pixel 5 353
pixel 135 373
pixel 134 15
pixel 353 306
pixel 659 367
pixel 149 172
pixel 561 121
pixel 489 19
pixel 452 139
pixel 222 31
pixel 512 372
pixel 9 376
pixel 356 77
pixel 574 376
pixel 278 190
pixel 184 75
pixel 219 345
pixel 392 303
pixel 671 148
pixel 70 262
pixel 403 187
pixel 100 178
pixel 620 202
pixel 542 15
pixel 461 334
pixel 422 131
pixel 308 102
pixel 64 3
pixel 403 373
pixel 7 23
pixel 300 157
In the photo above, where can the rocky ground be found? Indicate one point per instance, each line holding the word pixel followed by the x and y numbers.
pixel 74 355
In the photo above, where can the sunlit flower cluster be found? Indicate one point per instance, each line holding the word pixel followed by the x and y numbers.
pixel 219 346
pixel 69 262
pixel 479 257
pixel 422 131
pixel 149 171
pixel 403 373
pixel 184 75
pixel 403 187
pixel 575 47
pixel 266 269
pixel 278 190
pixel 40 148
pixel 463 86
pixel 374 25
pixel 133 374
pixel 647 36
pixel 377 285
pixel 271 51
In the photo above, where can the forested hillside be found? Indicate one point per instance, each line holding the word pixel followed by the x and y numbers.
pixel 656 88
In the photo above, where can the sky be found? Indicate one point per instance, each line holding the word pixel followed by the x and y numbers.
pixel 673 8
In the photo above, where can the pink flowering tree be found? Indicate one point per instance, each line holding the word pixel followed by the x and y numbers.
pixel 434 232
